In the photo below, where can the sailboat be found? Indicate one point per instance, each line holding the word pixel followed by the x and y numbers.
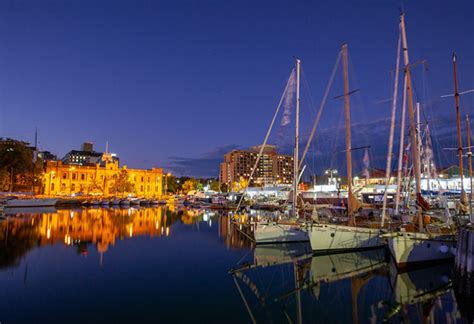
pixel 417 243
pixel 270 231
pixel 336 237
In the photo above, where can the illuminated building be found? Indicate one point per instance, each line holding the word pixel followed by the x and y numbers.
pixel 272 169
pixel 61 179
pixel 86 156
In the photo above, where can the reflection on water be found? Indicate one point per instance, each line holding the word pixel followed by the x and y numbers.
pixel 164 260
pixel 27 228
pixel 284 282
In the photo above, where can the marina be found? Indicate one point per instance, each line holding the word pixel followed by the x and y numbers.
pixel 102 252
pixel 248 162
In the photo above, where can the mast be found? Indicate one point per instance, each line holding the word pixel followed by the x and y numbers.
pixel 411 113
pixel 392 130
pixel 418 132
pixel 296 154
pixel 469 154
pixel 402 146
pixel 348 132
pixel 458 121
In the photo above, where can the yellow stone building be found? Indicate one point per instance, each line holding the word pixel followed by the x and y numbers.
pixel 63 179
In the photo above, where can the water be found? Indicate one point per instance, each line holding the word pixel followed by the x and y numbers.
pixel 165 265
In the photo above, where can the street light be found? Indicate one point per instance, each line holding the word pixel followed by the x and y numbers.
pixel 331 172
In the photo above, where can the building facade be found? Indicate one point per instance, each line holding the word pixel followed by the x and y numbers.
pixel 99 179
pixel 272 169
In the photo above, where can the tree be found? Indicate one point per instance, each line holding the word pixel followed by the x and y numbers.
pixel 188 185
pixel 240 185
pixel 17 157
pixel 214 185
pixel 121 183
pixel 94 185
pixel 224 187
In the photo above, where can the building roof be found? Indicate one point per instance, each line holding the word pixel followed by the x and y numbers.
pixel 79 152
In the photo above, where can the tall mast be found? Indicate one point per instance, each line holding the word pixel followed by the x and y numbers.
pixel 411 113
pixel 458 121
pixel 402 147
pixel 297 129
pixel 469 154
pixel 388 171
pixel 345 65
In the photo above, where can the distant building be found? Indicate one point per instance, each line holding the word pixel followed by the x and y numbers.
pixel 47 156
pixel 272 169
pixel 371 176
pixel 87 156
pixel 62 179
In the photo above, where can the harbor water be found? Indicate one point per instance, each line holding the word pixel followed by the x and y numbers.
pixel 177 265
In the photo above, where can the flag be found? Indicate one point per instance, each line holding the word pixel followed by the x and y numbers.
pixel 289 99
pixel 430 166
pixel 366 163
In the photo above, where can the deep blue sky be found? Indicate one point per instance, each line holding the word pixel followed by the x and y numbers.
pixel 185 79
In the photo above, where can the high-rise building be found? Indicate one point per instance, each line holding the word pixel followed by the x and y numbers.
pixel 272 168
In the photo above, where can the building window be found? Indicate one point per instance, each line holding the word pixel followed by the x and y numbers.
pixel 52 187
pixel 83 176
pixel 142 179
pixel 73 187
pixel 141 188
pixel 64 175
pixel 73 176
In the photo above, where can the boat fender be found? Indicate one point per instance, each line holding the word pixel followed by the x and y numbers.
pixel 443 248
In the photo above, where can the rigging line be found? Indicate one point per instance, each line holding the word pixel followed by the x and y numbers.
pixel 321 106
pixel 266 138
pixel 311 110
pixel 334 161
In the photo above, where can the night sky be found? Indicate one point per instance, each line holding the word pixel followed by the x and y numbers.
pixel 178 83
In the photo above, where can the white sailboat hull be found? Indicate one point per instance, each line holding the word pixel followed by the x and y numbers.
pixel 409 248
pixel 332 237
pixel 280 233
pixel 31 202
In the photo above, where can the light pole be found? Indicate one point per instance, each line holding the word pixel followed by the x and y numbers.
pixel 331 172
